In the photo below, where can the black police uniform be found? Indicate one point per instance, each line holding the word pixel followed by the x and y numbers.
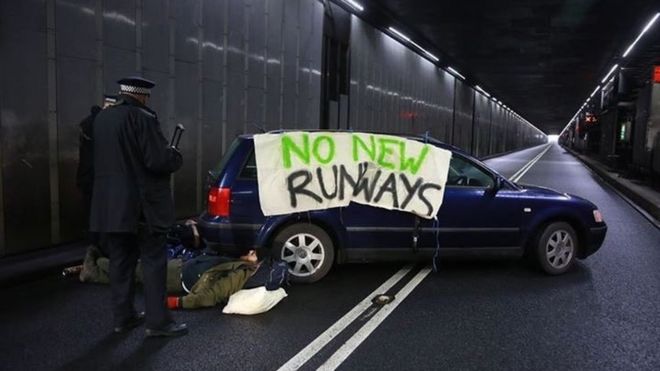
pixel 85 171
pixel 132 204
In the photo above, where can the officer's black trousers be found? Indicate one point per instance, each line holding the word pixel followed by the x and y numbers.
pixel 124 250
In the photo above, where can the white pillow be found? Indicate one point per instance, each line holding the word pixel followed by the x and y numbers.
pixel 253 301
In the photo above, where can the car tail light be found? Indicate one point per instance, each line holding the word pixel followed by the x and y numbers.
pixel 598 217
pixel 219 199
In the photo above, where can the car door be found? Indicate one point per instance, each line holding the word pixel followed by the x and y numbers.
pixel 474 214
pixel 371 227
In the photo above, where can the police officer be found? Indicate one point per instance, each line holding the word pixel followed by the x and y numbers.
pixel 132 205
pixel 85 171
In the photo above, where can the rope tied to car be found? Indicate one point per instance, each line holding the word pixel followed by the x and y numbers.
pixel 436 254
pixel 436 226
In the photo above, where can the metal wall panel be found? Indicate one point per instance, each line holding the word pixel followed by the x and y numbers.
pixel 236 88
pixel 482 125
pixel 185 14
pixel 312 53
pixel 274 64
pixel 186 113
pixel 119 24
pixel 76 28
pixel 155 35
pixel 212 138
pixel 24 131
pixel 256 44
pixel 462 137
pixel 291 28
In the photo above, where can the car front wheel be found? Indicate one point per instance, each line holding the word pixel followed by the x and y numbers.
pixel 307 249
pixel 556 248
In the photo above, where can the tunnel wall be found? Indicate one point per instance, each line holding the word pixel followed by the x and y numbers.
pixel 394 89
pixel 386 101
pixel 222 68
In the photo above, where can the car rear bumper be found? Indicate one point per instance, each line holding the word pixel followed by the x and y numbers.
pixel 594 239
pixel 221 234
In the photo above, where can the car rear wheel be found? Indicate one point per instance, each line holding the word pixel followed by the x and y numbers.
pixel 307 249
pixel 556 248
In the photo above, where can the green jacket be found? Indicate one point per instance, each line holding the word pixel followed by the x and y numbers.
pixel 217 284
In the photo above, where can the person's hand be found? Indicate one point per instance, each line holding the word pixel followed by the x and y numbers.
pixel 193 225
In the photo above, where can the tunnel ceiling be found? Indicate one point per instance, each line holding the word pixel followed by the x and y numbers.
pixel 542 58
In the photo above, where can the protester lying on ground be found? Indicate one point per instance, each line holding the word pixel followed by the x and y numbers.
pixel 207 287
pixel 202 281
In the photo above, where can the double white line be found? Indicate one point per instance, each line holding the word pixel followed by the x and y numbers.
pixel 351 344
pixel 519 174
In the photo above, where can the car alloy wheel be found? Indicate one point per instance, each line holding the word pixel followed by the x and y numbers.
pixel 559 249
pixel 304 254
pixel 556 248
pixel 307 249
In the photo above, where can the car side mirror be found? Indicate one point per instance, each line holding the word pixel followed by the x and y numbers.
pixel 496 185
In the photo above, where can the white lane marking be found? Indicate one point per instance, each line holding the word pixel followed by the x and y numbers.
pixel 351 344
pixel 527 165
pixel 322 340
pixel 516 177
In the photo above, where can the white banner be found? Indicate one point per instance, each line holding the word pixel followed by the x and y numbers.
pixel 302 171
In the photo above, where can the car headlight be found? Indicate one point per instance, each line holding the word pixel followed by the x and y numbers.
pixel 598 217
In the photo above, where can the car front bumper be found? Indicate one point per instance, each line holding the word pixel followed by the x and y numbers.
pixel 593 240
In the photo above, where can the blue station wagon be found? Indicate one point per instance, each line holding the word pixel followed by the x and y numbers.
pixel 482 213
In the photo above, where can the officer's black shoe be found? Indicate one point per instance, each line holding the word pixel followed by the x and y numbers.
pixel 171 330
pixel 131 323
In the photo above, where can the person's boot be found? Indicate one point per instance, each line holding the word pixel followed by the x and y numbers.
pixel 130 324
pixel 171 330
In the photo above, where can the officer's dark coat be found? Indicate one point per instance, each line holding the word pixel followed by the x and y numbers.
pixel 85 171
pixel 132 167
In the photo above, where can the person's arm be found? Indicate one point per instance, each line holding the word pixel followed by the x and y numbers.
pixel 157 155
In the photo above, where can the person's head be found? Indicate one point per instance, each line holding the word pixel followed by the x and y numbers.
pixel 109 100
pixel 136 87
pixel 250 256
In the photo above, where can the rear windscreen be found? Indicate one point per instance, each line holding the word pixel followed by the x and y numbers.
pixel 215 172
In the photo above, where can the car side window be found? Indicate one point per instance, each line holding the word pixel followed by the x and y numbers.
pixel 249 170
pixel 463 173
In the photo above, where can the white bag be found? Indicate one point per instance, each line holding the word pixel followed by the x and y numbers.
pixel 253 301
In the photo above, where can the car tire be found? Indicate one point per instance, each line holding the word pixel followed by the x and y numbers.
pixel 556 248
pixel 307 249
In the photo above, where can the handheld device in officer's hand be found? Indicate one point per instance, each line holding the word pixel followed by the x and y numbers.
pixel 176 136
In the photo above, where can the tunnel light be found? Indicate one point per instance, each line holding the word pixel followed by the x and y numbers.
pixel 354 4
pixel 646 28
pixel 407 39
pixel 482 90
pixel 454 72
pixel 595 91
pixel 609 73
pixel 435 59
pixel 399 34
